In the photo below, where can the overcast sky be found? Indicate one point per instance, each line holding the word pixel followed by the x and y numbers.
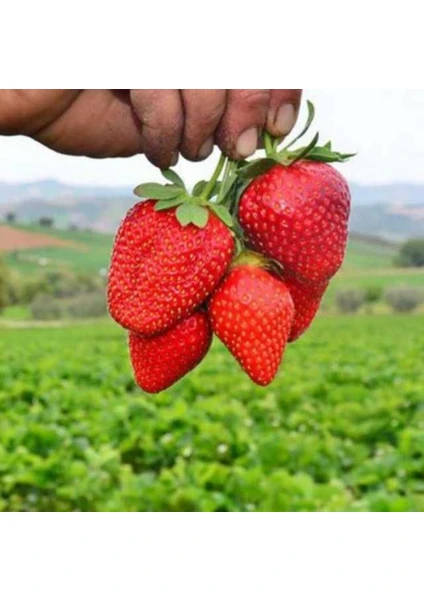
pixel 385 127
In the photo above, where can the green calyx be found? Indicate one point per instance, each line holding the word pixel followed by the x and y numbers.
pixel 254 259
pixel 250 259
pixel 195 207
pixel 288 157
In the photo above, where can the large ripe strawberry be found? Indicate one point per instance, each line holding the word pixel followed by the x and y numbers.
pixel 307 299
pixel 162 271
pixel 158 362
pixel 298 215
pixel 252 313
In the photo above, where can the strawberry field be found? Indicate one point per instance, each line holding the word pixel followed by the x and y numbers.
pixel 341 428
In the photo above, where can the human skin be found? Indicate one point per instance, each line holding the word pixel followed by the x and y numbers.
pixel 159 123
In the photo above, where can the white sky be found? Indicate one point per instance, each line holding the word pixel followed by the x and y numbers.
pixel 385 127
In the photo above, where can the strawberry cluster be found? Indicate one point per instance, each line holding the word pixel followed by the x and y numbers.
pixel 248 257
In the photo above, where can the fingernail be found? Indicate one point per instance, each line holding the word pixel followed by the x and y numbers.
pixel 174 159
pixel 247 142
pixel 206 149
pixel 285 119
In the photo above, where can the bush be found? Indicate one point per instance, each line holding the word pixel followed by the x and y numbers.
pixel 404 299
pixel 10 217
pixel 13 288
pixel 46 222
pixel 82 306
pixel 349 300
pixel 86 305
pixel 3 285
pixel 411 254
pixel 58 284
pixel 46 308
pixel 373 294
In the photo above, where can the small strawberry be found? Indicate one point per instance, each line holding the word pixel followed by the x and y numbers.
pixel 252 314
pixel 298 215
pixel 159 362
pixel 307 299
pixel 161 271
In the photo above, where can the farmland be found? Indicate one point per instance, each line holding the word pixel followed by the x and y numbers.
pixel 82 251
pixel 369 263
pixel 342 427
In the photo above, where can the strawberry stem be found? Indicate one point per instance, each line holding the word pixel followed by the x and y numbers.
pixel 215 176
pixel 269 145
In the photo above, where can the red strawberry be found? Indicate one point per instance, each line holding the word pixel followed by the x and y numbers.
pixel 298 215
pixel 252 313
pixel 307 299
pixel 161 271
pixel 159 362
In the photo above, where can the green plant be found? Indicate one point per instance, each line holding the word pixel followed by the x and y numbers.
pixel 373 294
pixel 411 254
pixel 349 300
pixel 404 299
pixel 341 432
pixel 85 305
pixel 45 308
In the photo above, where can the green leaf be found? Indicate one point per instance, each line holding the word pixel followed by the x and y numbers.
pixel 228 184
pixel 311 116
pixel 257 167
pixel 223 213
pixel 172 176
pixel 201 217
pixel 239 245
pixel 192 213
pixel 325 154
pixel 199 187
pixel 165 204
pixel 215 189
pixel 294 157
pixel 156 191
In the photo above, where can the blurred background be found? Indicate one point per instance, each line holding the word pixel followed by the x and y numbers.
pixel 341 428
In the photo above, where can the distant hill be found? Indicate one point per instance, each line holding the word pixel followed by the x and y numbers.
pixel 394 212
pixel 392 193
pixel 51 189
pixel 395 222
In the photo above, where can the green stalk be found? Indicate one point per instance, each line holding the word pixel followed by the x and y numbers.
pixel 211 184
pixel 269 149
pixel 227 172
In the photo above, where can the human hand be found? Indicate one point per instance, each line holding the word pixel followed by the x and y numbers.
pixel 159 123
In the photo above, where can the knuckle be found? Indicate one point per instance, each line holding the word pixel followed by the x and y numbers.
pixel 254 99
pixel 205 109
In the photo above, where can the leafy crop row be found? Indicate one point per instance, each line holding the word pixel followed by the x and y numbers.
pixel 342 428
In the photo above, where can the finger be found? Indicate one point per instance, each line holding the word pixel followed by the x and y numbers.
pixel 98 123
pixel 203 111
pixel 160 113
pixel 283 111
pixel 243 121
